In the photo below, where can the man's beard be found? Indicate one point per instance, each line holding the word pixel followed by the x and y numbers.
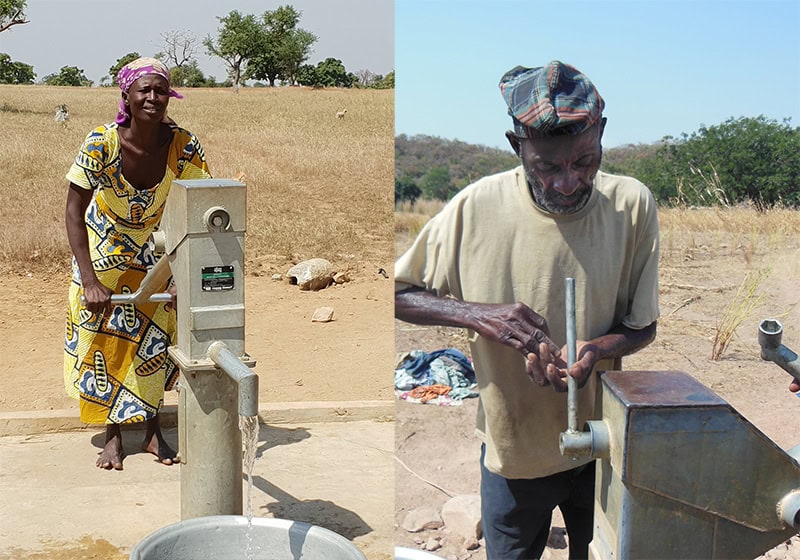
pixel 555 202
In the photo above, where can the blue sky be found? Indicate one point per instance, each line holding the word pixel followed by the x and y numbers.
pixel 664 67
pixel 94 34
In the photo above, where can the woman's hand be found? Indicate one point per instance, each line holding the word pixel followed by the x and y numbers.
pixel 97 297
pixel 174 303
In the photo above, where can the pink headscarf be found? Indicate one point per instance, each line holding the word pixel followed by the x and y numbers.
pixel 133 71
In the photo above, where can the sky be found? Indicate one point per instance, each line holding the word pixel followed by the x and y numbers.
pixel 94 34
pixel 663 67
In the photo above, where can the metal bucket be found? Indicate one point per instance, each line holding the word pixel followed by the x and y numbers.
pixel 230 537
pixel 403 553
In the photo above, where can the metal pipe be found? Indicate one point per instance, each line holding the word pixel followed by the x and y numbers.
pixel 770 332
pixel 574 443
pixel 572 383
pixel 789 510
pixel 155 279
pixel 244 377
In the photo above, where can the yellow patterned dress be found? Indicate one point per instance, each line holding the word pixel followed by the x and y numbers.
pixel 117 362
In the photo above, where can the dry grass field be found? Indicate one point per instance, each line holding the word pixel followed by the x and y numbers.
pixel 317 185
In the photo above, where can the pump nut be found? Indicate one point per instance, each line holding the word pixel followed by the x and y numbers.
pixel 217 219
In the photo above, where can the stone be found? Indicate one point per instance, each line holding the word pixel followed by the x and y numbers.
pixel 432 544
pixel 471 544
pixel 322 315
pixel 277 276
pixel 341 277
pixel 313 274
pixel 423 518
pixel 462 516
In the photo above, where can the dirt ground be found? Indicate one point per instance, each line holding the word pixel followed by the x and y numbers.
pixel 700 275
pixel 348 359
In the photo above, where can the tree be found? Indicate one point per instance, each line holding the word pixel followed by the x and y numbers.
pixel 179 48
pixel 285 47
pixel 740 160
pixel 405 188
pixel 189 75
pixel 294 52
pixel 114 70
pixel 436 184
pixel 755 159
pixel 332 73
pixel 307 76
pixel 386 82
pixel 15 72
pixel 12 12
pixel 365 77
pixel 67 76
pixel 240 39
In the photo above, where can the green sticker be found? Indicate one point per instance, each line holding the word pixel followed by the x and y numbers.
pixel 217 278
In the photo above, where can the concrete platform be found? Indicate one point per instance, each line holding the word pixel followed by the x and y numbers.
pixel 57 505
pixel 68 419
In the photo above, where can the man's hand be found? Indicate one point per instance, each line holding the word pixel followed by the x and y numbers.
pixel 515 325
pixel 97 296
pixel 545 368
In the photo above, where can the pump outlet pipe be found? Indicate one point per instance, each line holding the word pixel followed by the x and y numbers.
pixel 770 332
pixel 244 377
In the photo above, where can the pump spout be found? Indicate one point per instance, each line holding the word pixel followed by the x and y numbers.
pixel 244 377
pixel 770 332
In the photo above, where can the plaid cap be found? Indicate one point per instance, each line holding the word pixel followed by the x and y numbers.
pixel 549 100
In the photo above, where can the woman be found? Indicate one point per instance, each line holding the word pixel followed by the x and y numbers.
pixel 115 357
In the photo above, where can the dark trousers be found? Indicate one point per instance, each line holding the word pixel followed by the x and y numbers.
pixel 516 513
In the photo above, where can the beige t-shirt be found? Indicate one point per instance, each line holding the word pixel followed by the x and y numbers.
pixel 492 244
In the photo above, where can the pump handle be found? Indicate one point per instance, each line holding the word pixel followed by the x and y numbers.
pixel 120 299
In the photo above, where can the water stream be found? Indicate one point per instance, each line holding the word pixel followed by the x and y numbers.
pixel 249 428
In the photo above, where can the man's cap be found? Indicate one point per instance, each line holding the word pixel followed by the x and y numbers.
pixel 550 100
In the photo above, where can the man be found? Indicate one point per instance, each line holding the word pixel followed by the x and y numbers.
pixel 494 261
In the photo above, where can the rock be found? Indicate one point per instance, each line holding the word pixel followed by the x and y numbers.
pixel 462 516
pixel 471 544
pixel 432 544
pixel 341 277
pixel 313 274
pixel 277 276
pixel 422 519
pixel 322 315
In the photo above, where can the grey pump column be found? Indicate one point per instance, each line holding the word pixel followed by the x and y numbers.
pixel 204 224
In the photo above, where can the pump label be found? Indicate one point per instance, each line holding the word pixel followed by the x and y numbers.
pixel 217 278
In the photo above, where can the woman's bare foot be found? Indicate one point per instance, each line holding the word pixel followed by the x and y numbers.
pixel 155 443
pixel 112 454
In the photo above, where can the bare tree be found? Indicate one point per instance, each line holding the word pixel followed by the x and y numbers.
pixel 12 12
pixel 365 77
pixel 179 47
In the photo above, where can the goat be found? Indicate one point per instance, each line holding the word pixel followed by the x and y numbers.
pixel 62 114
pixel 340 114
